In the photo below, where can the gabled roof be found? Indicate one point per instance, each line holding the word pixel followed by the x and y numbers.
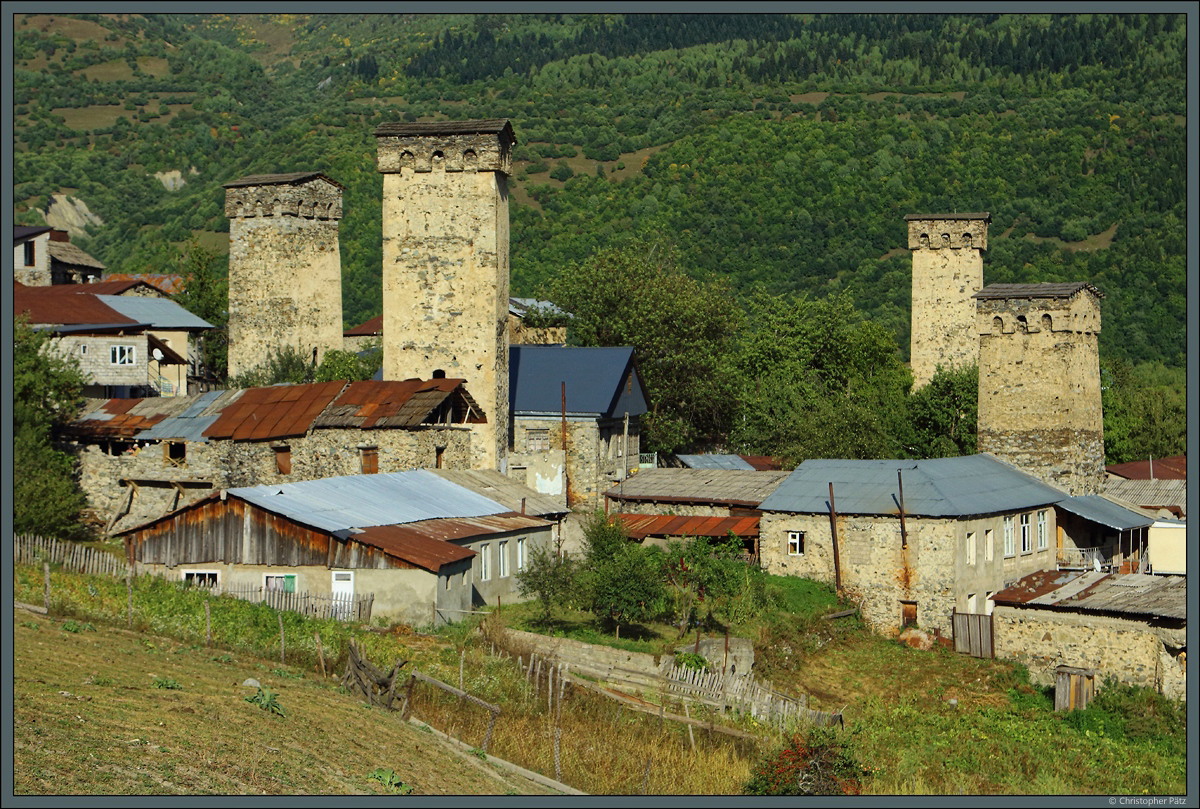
pixel 639 526
pixel 1172 468
pixel 1150 494
pixel 64 304
pixel 161 313
pixel 1049 290
pixel 24 232
pixel 1130 593
pixel 275 412
pixel 938 487
pixel 595 380
pixel 428 543
pixel 368 328
pixel 736 487
pixel 292 178
pixel 166 283
pixel 109 286
pixel 67 253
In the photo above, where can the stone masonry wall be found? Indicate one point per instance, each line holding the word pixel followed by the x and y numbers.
pixel 594 460
pixel 947 269
pixel 94 353
pixel 445 269
pixel 1128 651
pixel 284 271
pixel 1039 388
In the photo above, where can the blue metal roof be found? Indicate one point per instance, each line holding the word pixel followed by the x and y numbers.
pixel 595 379
pixel 1101 510
pixel 359 501
pixel 159 312
pixel 190 423
pixel 938 487
pixel 713 461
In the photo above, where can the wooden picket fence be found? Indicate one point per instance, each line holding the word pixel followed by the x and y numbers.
pixel 74 558
pixel 355 608
pixel 743 695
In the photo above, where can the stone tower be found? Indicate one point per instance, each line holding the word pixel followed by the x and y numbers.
pixel 947 269
pixel 445 262
pixel 285 267
pixel 1039 381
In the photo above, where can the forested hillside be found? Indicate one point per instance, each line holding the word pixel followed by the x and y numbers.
pixel 779 153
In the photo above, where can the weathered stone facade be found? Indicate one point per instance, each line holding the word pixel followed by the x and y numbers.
pixel 599 452
pixel 285 282
pixel 1135 652
pixel 947 270
pixel 1039 384
pixel 937 573
pixel 445 262
pixel 108 360
pixel 169 474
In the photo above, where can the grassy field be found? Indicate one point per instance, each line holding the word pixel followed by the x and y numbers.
pixel 102 709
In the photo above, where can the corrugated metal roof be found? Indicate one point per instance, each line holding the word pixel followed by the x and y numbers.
pixel 428 543
pixel 274 412
pixel 1172 468
pixel 109 286
pixel 1049 290
pixel 358 501
pixel 61 305
pixel 595 380
pixel 1149 493
pixel 717 486
pixel 68 253
pixel 713 461
pixel 487 125
pixel 190 423
pixel 162 313
pixel 911 216
pixel 1101 510
pixel 404 403
pixel 504 490
pixel 1132 593
pixel 639 526
pixel 291 178
pixel 167 283
pixel 938 487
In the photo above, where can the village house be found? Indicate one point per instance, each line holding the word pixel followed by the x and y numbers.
pixel 422 548
pixel 44 256
pixel 140 458
pixel 1127 628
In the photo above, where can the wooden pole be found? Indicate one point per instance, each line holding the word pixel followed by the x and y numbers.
pixel 837 566
pixel 207 625
pixel 320 652
pixel 691 736
pixel 129 596
pixel 280 616
pixel 461 654
pixel 46 586
pixel 903 531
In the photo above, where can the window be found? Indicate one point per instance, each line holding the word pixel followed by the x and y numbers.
pixel 1026 537
pixel 283 460
pixel 1009 539
pixel 284 583
pixel 502 558
pixel 30 254
pixel 83 348
pixel 795 543
pixel 989 545
pixel 369 460
pixel 175 453
pixel 521 553
pixel 121 355
pixel 1043 539
pixel 537 440
pixel 201 578
pixel 970 547
pixel 484 549
pixel 972 603
pixel 438 457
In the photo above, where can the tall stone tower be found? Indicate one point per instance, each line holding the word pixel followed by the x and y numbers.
pixel 947 269
pixel 445 261
pixel 285 267
pixel 1039 381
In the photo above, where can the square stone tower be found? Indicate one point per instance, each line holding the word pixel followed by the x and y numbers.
pixel 445 262
pixel 1039 381
pixel 285 267
pixel 947 269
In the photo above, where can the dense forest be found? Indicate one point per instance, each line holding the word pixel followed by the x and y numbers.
pixel 778 153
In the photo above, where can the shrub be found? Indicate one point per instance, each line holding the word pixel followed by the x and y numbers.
pixel 821 762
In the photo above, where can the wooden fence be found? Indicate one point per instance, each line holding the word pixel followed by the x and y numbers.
pixel 973 634
pixel 74 558
pixel 340 608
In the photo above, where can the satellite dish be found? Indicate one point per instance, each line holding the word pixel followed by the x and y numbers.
pixel 157 354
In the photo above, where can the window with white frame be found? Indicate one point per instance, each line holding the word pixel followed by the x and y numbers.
pixel 202 578
pixel 970 547
pixel 1026 535
pixel 795 543
pixel 1043 539
pixel 1010 545
pixel 502 558
pixel 484 550
pixel 122 355
pixel 520 553
pixel 989 545
pixel 537 440
pixel 283 582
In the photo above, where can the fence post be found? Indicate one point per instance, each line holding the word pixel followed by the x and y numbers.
pixel 46 586
pixel 207 625
pixel 129 596
pixel 280 616
pixel 320 653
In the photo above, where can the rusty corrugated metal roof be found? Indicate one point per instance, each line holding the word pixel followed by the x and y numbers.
pixel 1130 593
pixel 117 418
pixel 64 304
pixel 1172 468
pixel 369 328
pixel 109 286
pixel 639 526
pixel 405 403
pixel 428 543
pixel 274 412
pixel 167 283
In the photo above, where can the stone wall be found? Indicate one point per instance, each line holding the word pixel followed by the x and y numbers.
pixel 446 271
pixel 285 282
pixel 1126 650
pixel 36 274
pixel 937 572
pixel 95 356
pixel 1039 388
pixel 594 457
pixel 947 269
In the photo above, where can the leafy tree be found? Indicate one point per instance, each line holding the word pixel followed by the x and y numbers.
pixel 285 366
pixel 1145 411
pixel 350 365
pixel 699 571
pixel 549 576
pixel 681 330
pixel 943 414
pixel 47 499
pixel 206 295
pixel 622 580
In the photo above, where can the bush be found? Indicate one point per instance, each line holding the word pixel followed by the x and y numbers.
pixel 561 172
pixel 821 762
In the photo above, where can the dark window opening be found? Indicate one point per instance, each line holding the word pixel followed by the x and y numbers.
pixel 175 453
pixel 283 460
pixel 201 578
pixel 438 373
pixel 30 254
pixel 908 614
pixel 438 453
